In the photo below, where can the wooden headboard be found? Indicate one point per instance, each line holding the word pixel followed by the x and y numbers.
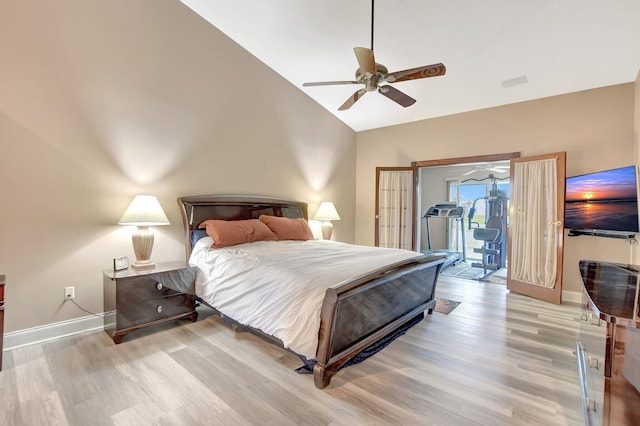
pixel 196 209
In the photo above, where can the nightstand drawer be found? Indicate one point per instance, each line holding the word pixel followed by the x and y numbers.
pixel 138 312
pixel 149 287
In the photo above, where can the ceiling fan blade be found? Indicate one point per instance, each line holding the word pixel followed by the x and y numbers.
pixel 328 83
pixel 397 96
pixel 352 100
pixel 366 60
pixel 434 70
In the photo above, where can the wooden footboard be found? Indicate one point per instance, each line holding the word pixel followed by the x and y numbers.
pixel 359 313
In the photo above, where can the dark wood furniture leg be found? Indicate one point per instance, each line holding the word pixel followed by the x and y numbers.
pixel 2 282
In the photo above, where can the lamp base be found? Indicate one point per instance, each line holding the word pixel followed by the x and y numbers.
pixel 143 264
pixel 142 240
pixel 327 229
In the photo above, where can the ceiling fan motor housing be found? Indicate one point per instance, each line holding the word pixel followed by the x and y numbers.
pixel 370 81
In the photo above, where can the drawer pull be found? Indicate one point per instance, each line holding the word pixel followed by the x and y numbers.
pixel 590 405
pixel 593 362
pixel 159 286
pixel 159 309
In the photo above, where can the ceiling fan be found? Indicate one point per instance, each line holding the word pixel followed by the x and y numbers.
pixel 488 167
pixel 372 74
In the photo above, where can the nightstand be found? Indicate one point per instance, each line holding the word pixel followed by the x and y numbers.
pixel 135 299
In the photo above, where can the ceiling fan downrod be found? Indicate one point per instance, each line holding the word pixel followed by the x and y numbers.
pixel 372 1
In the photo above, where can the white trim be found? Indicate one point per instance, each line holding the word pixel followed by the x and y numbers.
pixel 57 330
pixel 572 296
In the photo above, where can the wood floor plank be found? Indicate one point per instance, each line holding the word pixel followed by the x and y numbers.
pixel 497 359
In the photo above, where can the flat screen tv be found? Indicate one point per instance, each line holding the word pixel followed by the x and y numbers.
pixel 603 202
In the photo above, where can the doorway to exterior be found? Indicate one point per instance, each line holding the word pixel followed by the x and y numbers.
pixel 481 199
pixel 480 188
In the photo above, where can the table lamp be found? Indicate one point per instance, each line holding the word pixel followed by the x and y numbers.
pixel 326 213
pixel 143 212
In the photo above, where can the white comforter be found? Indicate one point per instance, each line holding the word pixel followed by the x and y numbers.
pixel 278 286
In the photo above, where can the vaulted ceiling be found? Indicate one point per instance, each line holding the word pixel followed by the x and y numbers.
pixel 496 52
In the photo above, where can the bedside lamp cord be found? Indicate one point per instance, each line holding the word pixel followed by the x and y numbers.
pixel 92 313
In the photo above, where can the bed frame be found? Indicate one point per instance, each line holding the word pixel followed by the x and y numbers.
pixel 355 315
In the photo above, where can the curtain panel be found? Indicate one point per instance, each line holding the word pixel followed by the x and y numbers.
pixel 534 204
pixel 395 209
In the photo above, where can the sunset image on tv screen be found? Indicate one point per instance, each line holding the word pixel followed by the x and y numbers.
pixel 603 201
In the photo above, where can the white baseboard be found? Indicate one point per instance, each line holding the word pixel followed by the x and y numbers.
pixel 571 296
pixel 44 333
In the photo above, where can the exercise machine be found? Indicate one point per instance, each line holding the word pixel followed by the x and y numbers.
pixel 494 234
pixel 446 211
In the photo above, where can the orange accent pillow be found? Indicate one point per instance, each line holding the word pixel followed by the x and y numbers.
pixel 225 233
pixel 285 228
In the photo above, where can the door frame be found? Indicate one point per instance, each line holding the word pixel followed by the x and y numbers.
pixel 467 160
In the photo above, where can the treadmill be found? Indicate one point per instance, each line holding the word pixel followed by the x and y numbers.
pixel 446 211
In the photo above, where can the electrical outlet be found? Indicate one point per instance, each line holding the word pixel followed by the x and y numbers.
pixel 69 293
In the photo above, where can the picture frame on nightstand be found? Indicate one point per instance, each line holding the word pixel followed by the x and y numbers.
pixel 120 263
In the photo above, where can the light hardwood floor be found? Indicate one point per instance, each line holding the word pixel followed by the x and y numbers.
pixel 497 359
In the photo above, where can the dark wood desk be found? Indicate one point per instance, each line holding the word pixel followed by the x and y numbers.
pixel 609 347
pixel 2 281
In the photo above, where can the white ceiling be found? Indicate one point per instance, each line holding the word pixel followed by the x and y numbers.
pixel 557 46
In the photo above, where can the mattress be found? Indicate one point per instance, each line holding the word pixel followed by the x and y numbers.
pixel 278 287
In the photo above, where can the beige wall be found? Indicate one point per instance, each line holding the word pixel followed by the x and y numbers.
pixel 100 101
pixel 594 127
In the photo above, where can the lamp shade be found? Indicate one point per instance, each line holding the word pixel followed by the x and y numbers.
pixel 327 211
pixel 144 210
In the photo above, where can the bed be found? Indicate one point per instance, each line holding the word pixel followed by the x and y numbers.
pixel 347 317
